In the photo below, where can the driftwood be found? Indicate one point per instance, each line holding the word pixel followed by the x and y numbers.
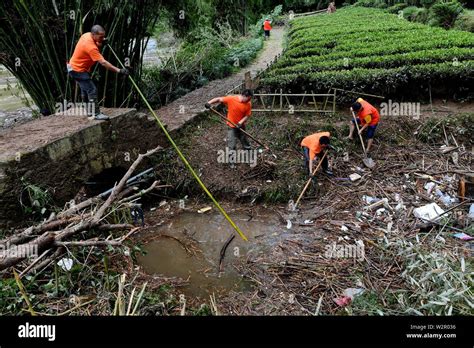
pixel 48 240
pixel 223 250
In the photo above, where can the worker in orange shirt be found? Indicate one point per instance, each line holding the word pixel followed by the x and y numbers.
pixel 368 117
pixel 85 55
pixel 313 148
pixel 267 27
pixel 239 109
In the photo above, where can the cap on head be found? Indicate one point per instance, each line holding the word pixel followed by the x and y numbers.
pixel 356 106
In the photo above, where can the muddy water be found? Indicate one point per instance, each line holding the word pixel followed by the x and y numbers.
pixel 168 257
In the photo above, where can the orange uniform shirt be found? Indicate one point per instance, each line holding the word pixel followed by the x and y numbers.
pixel 369 114
pixel 236 110
pixel 312 143
pixel 85 54
pixel 267 25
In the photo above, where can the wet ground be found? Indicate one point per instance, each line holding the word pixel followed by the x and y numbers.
pixel 189 246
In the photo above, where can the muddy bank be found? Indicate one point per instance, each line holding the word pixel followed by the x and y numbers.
pixel 333 242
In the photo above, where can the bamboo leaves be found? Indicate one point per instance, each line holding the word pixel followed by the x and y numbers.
pixel 36 43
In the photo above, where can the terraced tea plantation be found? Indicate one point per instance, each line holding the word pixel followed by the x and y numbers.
pixel 371 50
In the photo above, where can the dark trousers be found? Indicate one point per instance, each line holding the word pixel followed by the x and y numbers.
pixel 88 88
pixel 325 163
pixel 233 134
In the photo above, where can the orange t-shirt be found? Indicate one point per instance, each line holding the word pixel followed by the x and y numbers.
pixel 312 143
pixel 369 114
pixel 236 110
pixel 85 54
pixel 267 25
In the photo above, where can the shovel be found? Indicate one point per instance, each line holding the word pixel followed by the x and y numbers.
pixel 368 162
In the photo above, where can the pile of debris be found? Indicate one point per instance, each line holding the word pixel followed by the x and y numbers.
pixel 393 240
pixel 36 247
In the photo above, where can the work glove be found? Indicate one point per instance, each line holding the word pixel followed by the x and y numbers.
pixel 238 125
pixel 124 72
pixel 207 106
pixel 105 42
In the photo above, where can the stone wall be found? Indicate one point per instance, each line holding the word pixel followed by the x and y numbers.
pixel 63 165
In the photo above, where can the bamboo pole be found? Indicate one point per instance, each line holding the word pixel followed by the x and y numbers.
pixel 183 158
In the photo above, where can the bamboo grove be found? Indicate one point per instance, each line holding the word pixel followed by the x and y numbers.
pixel 37 39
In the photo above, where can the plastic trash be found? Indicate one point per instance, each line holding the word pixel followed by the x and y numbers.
pixel 203 210
pixel 65 264
pixel 471 212
pixel 349 295
pixel 428 212
pixel 343 301
pixel 429 187
pixel 288 224
pixel 354 177
pixel 370 200
pixel 353 292
pixel 463 236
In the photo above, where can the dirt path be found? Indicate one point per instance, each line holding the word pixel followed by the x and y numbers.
pixel 193 103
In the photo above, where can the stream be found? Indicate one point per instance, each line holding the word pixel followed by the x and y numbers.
pixel 168 257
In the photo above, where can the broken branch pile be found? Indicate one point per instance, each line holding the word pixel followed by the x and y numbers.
pixel 38 246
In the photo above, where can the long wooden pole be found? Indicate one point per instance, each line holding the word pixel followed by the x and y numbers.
pixel 243 131
pixel 309 180
pixel 358 132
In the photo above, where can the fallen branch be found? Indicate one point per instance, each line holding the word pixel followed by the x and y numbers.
pixel 223 250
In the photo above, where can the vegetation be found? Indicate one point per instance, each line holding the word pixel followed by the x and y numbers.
pixel 37 39
pixel 440 13
pixel 384 55
pixel 194 65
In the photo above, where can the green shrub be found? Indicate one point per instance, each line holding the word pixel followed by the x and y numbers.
pixel 421 16
pixel 465 21
pixel 243 53
pixel 397 8
pixel 409 13
pixel 444 14
pixel 427 3
pixel 371 3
